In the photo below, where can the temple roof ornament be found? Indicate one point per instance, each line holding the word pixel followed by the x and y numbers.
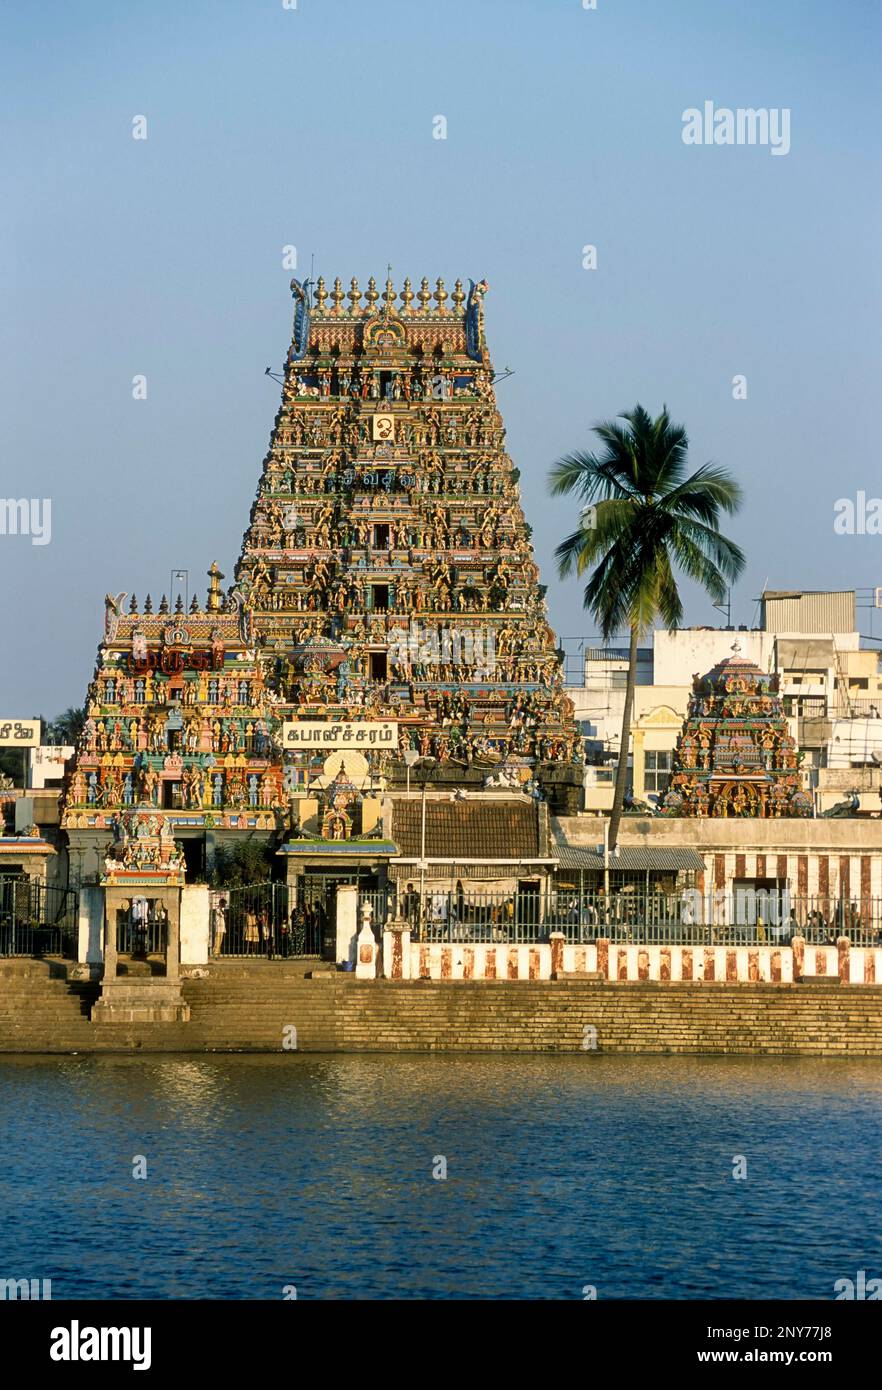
pixel 300 337
pixel 735 755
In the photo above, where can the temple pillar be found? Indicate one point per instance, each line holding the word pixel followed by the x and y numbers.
pixel 638 770
pixel 396 950
pixel 347 923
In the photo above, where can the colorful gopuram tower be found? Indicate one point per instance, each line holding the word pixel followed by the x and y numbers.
pixel 735 755
pixel 388 564
pixel 386 602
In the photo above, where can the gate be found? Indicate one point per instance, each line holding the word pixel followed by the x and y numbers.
pixel 263 919
pixel 36 920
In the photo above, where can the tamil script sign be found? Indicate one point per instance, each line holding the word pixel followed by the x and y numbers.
pixel 19 733
pixel 316 735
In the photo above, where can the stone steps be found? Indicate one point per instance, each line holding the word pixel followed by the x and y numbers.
pixel 247 1006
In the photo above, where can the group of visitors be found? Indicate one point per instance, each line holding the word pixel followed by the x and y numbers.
pixel 254 930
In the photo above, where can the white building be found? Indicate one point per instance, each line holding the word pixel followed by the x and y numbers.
pixel 831 690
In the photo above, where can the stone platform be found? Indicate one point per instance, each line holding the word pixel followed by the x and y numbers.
pixel 141 999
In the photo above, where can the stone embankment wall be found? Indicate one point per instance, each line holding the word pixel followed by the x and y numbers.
pixel 274 1007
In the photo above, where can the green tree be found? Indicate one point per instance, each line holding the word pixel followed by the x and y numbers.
pixel 644 516
pixel 67 727
pixel 247 861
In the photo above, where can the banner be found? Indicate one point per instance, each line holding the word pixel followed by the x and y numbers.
pixel 316 735
pixel 19 733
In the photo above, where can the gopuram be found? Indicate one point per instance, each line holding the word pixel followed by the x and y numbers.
pixel 735 755
pixel 386 605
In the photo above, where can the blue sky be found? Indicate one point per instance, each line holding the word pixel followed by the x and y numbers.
pixel 313 127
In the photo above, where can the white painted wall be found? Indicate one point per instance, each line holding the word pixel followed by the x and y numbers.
pixel 678 655
pixel 195 924
pixel 90 925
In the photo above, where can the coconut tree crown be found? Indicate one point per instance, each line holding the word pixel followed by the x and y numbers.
pixel 644 516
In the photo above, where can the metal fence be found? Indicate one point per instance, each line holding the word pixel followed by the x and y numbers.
pixel 689 917
pixel 265 919
pixel 36 920
pixel 142 928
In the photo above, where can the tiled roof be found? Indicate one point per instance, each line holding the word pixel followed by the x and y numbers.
pixel 633 858
pixel 469 830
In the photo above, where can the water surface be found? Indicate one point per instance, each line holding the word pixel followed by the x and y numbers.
pixel 317 1172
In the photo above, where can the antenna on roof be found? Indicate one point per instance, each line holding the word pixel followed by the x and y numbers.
pixel 726 607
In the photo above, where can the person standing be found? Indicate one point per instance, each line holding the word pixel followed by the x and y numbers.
pixel 220 926
pixel 252 933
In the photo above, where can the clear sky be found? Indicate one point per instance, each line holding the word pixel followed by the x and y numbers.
pixel 313 127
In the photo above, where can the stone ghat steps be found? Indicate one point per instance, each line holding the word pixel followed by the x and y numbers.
pixel 248 1008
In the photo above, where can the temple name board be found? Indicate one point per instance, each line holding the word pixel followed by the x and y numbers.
pixel 19 733
pixel 315 733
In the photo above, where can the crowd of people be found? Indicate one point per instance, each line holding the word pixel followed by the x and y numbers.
pixel 255 929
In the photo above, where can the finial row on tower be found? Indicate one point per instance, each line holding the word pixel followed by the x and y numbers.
pixel 215 603
pixel 354 309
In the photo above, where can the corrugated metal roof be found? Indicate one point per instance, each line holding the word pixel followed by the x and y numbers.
pixel 801 611
pixel 632 858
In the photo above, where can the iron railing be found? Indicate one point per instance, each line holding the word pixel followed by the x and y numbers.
pixel 142 928
pixel 690 917
pixel 36 919
pixel 265 919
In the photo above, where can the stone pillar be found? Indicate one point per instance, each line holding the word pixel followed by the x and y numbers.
pixel 173 945
pixel 366 958
pixel 347 923
pixel 798 945
pixel 112 902
pixel 603 958
pixel 638 737
pixel 195 924
pixel 843 946
pixel 557 940
pixel 90 925
pixel 396 950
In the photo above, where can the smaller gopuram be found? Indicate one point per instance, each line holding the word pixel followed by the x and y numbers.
pixel 735 755
pixel 143 878
pixel 179 722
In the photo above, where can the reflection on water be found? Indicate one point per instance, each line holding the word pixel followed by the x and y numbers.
pixel 317 1171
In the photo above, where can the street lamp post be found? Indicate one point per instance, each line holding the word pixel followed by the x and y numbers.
pixel 428 764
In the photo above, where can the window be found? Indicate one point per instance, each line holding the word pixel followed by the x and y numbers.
pixel 378 666
pixel 656 771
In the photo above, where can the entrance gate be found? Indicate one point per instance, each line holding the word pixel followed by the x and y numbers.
pixel 36 920
pixel 264 919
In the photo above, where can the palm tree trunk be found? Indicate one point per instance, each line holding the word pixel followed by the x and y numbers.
pixel 622 769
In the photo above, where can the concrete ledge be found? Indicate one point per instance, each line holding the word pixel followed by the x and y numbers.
pixel 141 1001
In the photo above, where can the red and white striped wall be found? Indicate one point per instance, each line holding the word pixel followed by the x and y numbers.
pixel 403 959
pixel 839 876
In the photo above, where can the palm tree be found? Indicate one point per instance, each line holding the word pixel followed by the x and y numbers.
pixel 643 516
pixel 67 727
